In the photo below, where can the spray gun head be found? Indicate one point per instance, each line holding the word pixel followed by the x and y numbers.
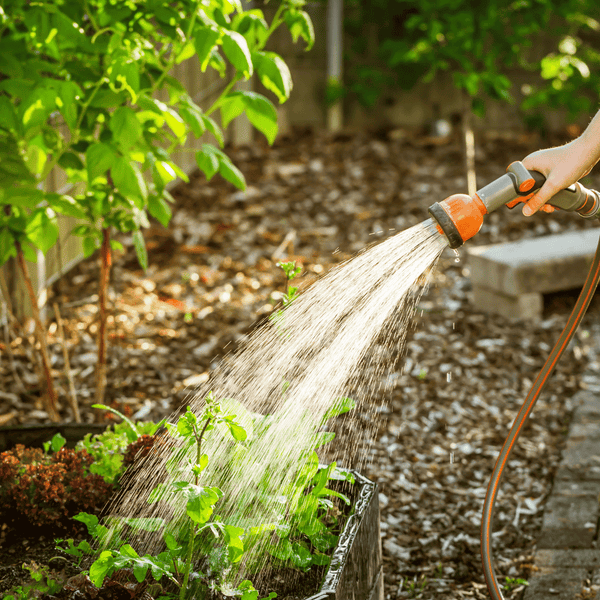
pixel 459 217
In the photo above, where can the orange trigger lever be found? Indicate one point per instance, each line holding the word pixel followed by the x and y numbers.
pixel 518 200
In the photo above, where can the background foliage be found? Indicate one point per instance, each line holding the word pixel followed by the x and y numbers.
pixel 480 43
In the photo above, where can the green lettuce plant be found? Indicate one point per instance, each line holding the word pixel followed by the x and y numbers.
pixel 78 86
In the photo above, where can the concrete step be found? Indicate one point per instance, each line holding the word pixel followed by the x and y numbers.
pixel 510 279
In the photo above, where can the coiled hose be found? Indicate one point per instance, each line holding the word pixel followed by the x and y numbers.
pixel 575 317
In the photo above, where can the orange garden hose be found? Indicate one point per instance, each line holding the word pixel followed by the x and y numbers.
pixel 575 317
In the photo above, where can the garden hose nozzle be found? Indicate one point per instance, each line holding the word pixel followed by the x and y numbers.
pixel 459 217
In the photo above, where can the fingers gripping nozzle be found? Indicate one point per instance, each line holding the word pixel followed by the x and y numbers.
pixel 459 217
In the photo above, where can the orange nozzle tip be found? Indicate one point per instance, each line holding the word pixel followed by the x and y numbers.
pixel 466 213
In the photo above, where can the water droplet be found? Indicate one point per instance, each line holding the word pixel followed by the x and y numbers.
pixel 448 377
pixel 457 259
pixel 451 457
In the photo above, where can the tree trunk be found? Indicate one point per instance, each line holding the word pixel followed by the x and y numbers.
pixel 50 397
pixel 469 145
pixel 105 263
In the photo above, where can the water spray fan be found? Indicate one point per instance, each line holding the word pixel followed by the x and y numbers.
pixel 459 217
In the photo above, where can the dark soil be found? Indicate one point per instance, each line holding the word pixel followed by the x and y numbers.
pixel 319 200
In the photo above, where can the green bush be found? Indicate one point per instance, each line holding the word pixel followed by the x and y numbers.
pixel 477 42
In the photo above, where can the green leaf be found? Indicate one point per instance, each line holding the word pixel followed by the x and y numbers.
pixel 57 442
pixel 186 52
pixel 145 523
pixel 283 549
pixel 177 124
pixel 235 545
pixel 214 129
pixel 42 229
pixel 192 115
pixel 216 62
pixel 165 173
pixel 26 197
pixel 68 93
pixel 90 245
pixel 231 106
pixel 205 39
pixel 36 108
pixel 70 160
pixel 125 126
pixel 28 251
pixel 140 570
pixel 65 205
pixel 159 209
pixel 128 551
pixel 99 158
pixel 300 25
pixel 340 406
pixel 237 431
pixel 124 77
pixel 259 110
pixel 237 51
pixel 140 249
pixel 208 160
pixel 199 506
pixel 7 245
pixel 107 98
pixel 8 115
pixel 101 568
pixel 231 173
pixel 129 180
pixel 274 74
pixel 301 556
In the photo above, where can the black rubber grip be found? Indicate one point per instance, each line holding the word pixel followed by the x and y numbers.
pixel 447 225
pixel 539 180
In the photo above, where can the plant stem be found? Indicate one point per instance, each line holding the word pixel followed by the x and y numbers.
pixel 193 531
pixel 224 93
pixel 50 398
pixel 105 263
pixel 72 392
pixel 188 562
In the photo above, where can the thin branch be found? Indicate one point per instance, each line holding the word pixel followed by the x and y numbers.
pixel 63 343
pixel 51 398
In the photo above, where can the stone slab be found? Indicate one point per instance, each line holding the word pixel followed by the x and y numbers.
pixel 581 453
pixel 588 559
pixel 545 264
pixel 555 583
pixel 587 407
pixel 569 521
pixel 524 306
pixel 576 488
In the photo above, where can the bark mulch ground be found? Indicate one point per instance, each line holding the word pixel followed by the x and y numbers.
pixel 318 200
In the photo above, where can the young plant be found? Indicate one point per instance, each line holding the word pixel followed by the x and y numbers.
pixel 290 293
pixel 182 540
pixel 43 583
pixel 202 534
pixel 78 93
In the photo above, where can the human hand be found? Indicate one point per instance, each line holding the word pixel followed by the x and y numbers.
pixel 562 166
